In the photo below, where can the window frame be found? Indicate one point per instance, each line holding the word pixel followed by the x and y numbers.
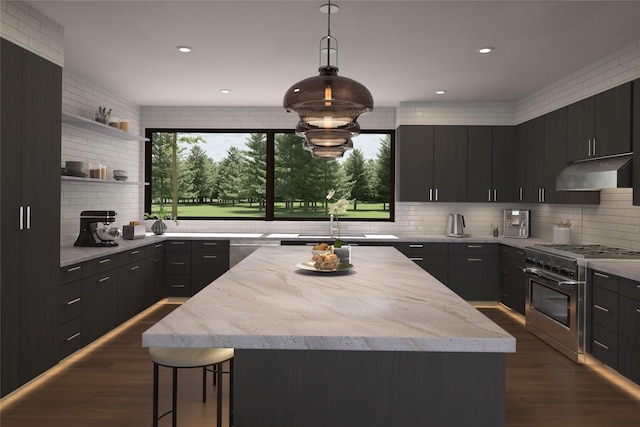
pixel 270 173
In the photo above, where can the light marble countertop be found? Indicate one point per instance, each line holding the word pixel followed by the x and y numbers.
pixel 628 268
pixel 384 303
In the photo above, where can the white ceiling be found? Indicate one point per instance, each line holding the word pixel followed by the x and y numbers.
pixel 400 50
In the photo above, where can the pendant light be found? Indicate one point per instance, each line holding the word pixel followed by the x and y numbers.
pixel 328 105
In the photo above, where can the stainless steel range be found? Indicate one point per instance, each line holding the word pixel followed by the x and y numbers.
pixel 555 302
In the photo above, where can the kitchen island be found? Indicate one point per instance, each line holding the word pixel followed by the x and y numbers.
pixel 381 344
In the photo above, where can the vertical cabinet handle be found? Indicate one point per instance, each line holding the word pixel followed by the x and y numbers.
pixel 28 217
pixel 594 146
pixel 431 194
pixel 436 194
pixel 21 218
pixel 489 199
pixel 589 147
pixel 521 194
pixel 495 195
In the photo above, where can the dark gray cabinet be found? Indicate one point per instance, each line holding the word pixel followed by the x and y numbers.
pixel 604 317
pixel 415 163
pixel 192 265
pixel 99 297
pixel 69 311
pixel 154 276
pixel 600 125
pixel 491 155
pixel 629 329
pixel 30 131
pixel 513 280
pixel 449 164
pixel 635 108
pixel 432 257
pixel 131 279
pixel 178 268
pixel 555 160
pixel 533 134
pixel 209 260
pixel 432 163
pixel 474 271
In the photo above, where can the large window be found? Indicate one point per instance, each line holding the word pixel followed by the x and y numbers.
pixel 214 174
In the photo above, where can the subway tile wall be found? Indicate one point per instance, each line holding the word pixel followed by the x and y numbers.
pixel 26 27
pixel 81 97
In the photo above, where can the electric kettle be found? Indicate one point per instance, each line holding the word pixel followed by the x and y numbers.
pixel 455 225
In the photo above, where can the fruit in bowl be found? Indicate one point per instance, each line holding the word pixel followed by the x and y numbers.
pixel 320 248
pixel 326 261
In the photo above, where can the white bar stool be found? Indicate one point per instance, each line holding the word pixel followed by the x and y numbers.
pixel 192 358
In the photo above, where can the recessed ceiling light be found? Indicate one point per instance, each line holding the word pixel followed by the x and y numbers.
pixel 184 49
pixel 225 91
pixel 441 92
pixel 486 49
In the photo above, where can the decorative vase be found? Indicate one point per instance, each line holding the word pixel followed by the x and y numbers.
pixel 159 227
pixel 344 253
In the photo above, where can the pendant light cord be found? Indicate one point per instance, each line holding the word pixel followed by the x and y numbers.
pixel 329 34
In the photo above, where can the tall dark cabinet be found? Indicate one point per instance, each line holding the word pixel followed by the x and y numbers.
pixel 30 135
pixel 635 109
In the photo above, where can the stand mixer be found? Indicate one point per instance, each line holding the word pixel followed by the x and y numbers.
pixel 90 235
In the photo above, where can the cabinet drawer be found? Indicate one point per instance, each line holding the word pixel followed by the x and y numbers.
pixel 156 249
pixel 99 265
pixel 178 286
pixel 178 245
pixel 605 308
pixel 518 255
pixel 178 263
pixel 417 248
pixel 70 273
pixel 210 245
pixel 605 281
pixel 605 346
pixel 474 249
pixel 69 339
pixel 629 288
pixel 132 255
pixel 69 302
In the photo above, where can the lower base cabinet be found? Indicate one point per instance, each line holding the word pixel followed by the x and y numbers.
pixel 474 271
pixel 629 329
pixel 193 264
pixel 154 274
pixel 99 305
pixel 432 257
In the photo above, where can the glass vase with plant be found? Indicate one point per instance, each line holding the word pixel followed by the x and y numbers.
pixel 340 206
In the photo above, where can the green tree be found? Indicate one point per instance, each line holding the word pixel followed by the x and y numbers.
pixel 230 176
pixel 355 167
pixel 255 176
pixel 200 168
pixel 383 172
pixel 161 147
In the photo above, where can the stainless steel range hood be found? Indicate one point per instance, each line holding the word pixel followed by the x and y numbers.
pixel 596 174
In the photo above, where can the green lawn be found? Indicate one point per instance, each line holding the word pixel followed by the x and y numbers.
pixel 244 210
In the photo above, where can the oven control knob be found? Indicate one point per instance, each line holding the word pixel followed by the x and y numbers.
pixel 540 264
pixel 555 268
pixel 564 271
pixel 529 260
pixel 547 266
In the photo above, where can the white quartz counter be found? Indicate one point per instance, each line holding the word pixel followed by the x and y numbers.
pixel 628 268
pixel 386 303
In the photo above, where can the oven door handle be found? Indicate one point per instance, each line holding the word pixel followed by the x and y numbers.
pixel 546 276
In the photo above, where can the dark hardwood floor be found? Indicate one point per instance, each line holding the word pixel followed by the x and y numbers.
pixel 110 384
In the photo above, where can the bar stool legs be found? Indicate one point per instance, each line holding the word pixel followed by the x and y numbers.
pixel 175 358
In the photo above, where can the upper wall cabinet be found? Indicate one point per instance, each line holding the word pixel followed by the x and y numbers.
pixel 490 159
pixel 432 163
pixel 600 125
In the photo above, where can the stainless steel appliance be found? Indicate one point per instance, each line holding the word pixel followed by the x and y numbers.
pixel 456 225
pixel 94 236
pixel 555 299
pixel 517 223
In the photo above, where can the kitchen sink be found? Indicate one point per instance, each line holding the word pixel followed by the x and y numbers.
pixel 349 236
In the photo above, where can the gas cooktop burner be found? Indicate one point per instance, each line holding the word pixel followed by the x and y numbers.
pixel 590 251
